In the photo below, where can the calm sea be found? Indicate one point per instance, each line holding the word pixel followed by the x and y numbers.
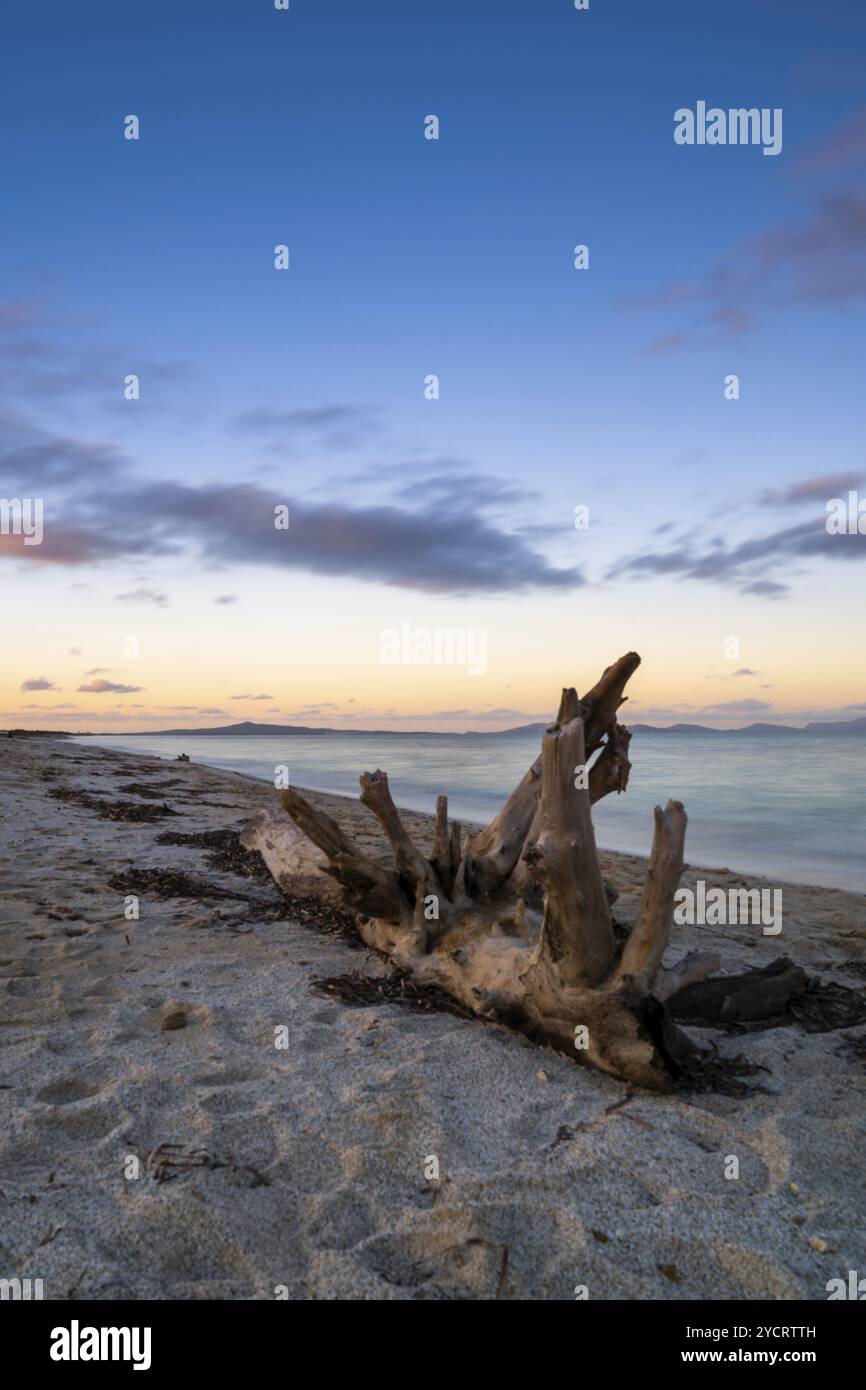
pixel 790 806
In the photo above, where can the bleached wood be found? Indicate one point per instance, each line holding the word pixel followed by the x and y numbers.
pixel 576 935
pixel 642 955
pixel 546 970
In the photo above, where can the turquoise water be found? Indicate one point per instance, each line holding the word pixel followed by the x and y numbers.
pixel 790 806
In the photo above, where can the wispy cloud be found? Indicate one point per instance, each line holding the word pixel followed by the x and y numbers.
pixel 819 260
pixel 64 706
pixel 46 365
pixel 819 489
pixel 38 683
pixel 104 687
pixel 336 428
pixel 153 596
pixel 754 566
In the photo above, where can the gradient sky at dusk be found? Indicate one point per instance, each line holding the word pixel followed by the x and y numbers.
pixel 559 388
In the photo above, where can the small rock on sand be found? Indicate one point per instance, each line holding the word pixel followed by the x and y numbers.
pixel 173 1015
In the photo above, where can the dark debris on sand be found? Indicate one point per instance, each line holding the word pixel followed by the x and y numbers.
pixel 826 1006
pixel 710 1071
pixel 169 883
pixel 328 921
pixel 361 991
pixel 155 769
pixel 226 852
pixel 156 792
pixel 172 1160
pixel 111 810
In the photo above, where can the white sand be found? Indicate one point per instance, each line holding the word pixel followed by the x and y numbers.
pixel 545 1183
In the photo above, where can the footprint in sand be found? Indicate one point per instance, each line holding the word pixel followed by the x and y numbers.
pixel 436 1262
pixel 224 1097
pixel 68 1091
pixel 80 1111
pixel 29 987
pixel 102 992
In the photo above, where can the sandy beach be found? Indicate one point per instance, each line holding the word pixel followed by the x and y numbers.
pixel 156 1143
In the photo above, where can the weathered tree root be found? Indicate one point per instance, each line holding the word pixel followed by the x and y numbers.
pixel 516 925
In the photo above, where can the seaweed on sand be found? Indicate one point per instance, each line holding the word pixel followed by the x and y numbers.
pixel 111 810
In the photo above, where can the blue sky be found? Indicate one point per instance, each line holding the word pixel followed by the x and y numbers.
pixel 452 257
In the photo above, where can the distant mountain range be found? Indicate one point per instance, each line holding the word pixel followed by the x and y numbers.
pixel 844 726
pixel 249 728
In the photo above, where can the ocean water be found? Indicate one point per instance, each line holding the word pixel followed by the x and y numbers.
pixel 790 806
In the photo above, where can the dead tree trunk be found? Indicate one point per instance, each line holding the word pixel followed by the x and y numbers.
pixel 517 925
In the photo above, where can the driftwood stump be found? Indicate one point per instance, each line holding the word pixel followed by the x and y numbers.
pixel 516 922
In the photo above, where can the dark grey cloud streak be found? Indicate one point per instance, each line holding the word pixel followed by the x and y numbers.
pixel 436 540
pixel 436 537
pixel 754 565
pixel 429 524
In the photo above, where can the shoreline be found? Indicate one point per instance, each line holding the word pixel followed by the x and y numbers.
pixel 782 878
pixel 304 1166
